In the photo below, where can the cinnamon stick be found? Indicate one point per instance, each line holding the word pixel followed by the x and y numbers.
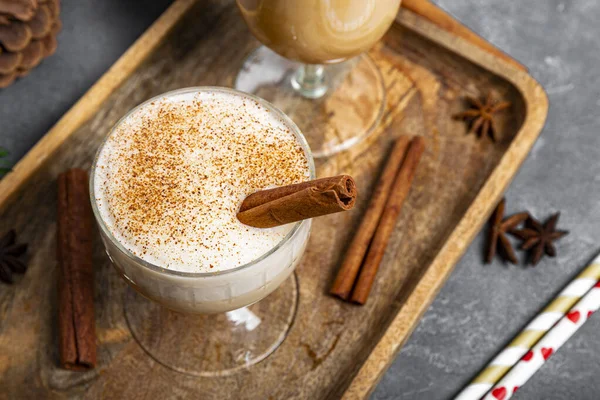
pixel 400 190
pixel 77 336
pixel 286 204
pixel 346 276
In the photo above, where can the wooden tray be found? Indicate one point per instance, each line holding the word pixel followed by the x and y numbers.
pixel 334 349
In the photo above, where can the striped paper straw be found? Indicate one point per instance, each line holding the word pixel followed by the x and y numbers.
pixel 547 346
pixel 532 333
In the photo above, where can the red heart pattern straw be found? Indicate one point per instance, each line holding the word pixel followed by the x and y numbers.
pixel 521 348
pixel 547 346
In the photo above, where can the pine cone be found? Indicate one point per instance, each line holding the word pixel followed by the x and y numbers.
pixel 25 43
pixel 23 10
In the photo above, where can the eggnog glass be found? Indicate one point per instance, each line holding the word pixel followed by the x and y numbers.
pixel 208 323
pixel 315 68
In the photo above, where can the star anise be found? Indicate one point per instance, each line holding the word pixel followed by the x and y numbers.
pixel 480 116
pixel 539 238
pixel 498 229
pixel 10 251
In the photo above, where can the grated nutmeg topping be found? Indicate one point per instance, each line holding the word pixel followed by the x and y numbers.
pixel 171 177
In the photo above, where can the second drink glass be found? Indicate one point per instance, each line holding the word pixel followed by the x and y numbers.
pixel 316 70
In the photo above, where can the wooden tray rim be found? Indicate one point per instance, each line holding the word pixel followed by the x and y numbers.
pixel 436 274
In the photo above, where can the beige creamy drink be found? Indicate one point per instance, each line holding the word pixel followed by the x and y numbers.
pixel 167 185
pixel 172 175
pixel 319 31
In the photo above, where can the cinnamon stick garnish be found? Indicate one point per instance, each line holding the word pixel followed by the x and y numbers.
pixel 346 277
pixel 387 223
pixel 77 335
pixel 286 204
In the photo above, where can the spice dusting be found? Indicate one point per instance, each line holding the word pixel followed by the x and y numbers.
pixel 172 175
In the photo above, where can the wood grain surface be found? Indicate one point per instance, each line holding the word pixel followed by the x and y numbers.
pixel 334 349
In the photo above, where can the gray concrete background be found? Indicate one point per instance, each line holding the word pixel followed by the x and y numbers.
pixel 481 307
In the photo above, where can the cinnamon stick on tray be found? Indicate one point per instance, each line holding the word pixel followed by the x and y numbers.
pixel 286 204
pixel 400 190
pixel 77 335
pixel 346 277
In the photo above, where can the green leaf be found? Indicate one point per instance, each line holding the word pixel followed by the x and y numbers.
pixel 4 170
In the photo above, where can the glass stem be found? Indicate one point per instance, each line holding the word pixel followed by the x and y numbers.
pixel 310 81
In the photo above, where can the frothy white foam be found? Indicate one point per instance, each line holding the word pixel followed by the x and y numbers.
pixel 170 179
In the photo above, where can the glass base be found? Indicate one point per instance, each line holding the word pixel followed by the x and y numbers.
pixel 334 117
pixel 214 344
